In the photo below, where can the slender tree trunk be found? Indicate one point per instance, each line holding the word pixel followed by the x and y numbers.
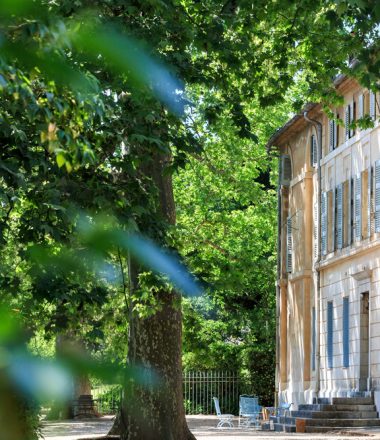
pixel 156 411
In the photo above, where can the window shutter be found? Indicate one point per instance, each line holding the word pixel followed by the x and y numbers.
pixel 336 133
pixel 286 170
pixel 351 211
pixel 289 262
pixel 313 151
pixel 346 332
pixel 361 106
pixel 329 334
pixel 358 208
pixel 377 196
pixel 339 216
pixel 313 338
pixel 372 104
pixel 352 117
pixel 315 231
pixel 324 223
pixel 331 135
pixel 347 122
pixel 331 220
pixel 369 199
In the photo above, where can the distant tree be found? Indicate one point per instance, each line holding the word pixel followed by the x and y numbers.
pixel 81 127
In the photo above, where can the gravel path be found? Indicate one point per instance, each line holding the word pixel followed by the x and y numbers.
pixel 203 427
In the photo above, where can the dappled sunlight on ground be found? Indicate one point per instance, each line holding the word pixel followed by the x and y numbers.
pixel 203 427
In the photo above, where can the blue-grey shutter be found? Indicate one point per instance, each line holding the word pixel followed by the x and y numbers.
pixel 315 231
pixel 377 196
pixel 331 135
pixel 336 133
pixel 346 332
pixel 289 245
pixel 313 338
pixel 324 223
pixel 333 220
pixel 369 195
pixel 352 117
pixel 372 105
pixel 313 151
pixel 352 212
pixel 286 170
pixel 330 317
pixel 358 207
pixel 339 216
pixel 347 122
pixel 361 106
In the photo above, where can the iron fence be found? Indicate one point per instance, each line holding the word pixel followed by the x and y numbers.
pixel 199 387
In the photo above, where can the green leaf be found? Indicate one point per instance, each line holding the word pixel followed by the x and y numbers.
pixel 60 158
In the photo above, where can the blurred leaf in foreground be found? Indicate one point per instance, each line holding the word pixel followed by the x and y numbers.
pixel 126 56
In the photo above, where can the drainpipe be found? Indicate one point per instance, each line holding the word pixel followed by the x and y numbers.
pixel 278 292
pixel 318 297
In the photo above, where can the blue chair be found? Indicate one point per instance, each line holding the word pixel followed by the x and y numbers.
pixel 224 419
pixel 249 411
pixel 283 409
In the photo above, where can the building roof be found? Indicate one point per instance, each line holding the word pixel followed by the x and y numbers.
pixel 297 122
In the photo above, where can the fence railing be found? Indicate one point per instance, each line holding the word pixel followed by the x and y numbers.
pixel 199 387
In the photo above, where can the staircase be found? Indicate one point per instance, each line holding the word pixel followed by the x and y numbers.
pixel 329 415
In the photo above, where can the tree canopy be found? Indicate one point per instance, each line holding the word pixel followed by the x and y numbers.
pixel 95 94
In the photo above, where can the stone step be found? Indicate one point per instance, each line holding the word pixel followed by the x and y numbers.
pixel 286 420
pixel 352 401
pixel 337 407
pixel 334 414
pixel 342 423
pixel 279 427
pixel 340 407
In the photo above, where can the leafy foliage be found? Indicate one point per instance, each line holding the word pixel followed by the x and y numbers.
pixel 86 106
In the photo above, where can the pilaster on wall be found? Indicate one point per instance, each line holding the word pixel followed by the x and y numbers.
pixel 307 331
pixel 308 220
pixel 283 334
pixel 283 284
pixel 284 215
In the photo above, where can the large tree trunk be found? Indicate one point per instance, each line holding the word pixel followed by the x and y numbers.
pixel 156 411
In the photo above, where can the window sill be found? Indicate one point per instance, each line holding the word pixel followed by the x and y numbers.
pixel 361 134
pixel 350 251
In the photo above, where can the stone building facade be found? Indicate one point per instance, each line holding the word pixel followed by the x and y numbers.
pixel 328 289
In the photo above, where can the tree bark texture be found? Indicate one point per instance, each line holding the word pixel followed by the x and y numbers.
pixel 155 411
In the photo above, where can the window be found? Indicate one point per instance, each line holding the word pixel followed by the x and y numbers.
pixel 324 223
pixel 339 216
pixel 358 207
pixel 346 213
pixel 286 170
pixel 313 151
pixel 346 332
pixel 315 231
pixel 372 104
pixel 352 211
pixel 361 106
pixel 330 334
pixel 377 196
pixel 350 116
pixel 331 221
pixel 365 185
pixel 333 135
